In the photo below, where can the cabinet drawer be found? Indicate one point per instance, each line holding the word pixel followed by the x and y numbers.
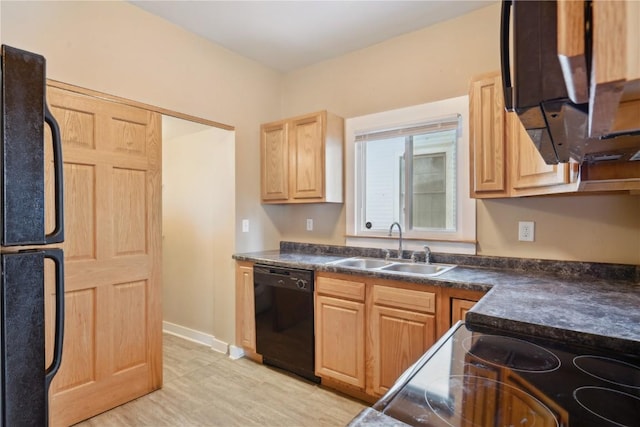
pixel 340 288
pixel 405 298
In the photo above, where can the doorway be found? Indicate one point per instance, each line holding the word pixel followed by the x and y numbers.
pixel 198 231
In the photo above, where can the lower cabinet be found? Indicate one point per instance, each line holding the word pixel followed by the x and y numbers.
pixel 455 305
pixel 459 309
pixel 245 320
pixel 340 330
pixel 369 332
pixel 402 327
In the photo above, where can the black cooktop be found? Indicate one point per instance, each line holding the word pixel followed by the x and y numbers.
pixel 491 379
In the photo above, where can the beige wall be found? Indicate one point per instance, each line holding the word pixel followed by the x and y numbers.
pixel 432 64
pixel 603 228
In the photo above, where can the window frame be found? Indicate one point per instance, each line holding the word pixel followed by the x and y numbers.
pixel 460 240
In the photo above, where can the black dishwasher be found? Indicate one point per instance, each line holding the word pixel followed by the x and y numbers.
pixel 284 318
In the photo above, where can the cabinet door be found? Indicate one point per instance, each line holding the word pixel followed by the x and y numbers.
pixel 274 161
pixel 398 338
pixel 245 319
pixel 488 151
pixel 340 340
pixel 307 157
pixel 528 169
pixel 459 308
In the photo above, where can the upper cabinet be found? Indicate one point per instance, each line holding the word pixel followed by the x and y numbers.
pixel 274 156
pixel 488 158
pixel 614 86
pixel 504 161
pixel 302 159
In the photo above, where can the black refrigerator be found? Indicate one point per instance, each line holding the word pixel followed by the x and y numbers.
pixel 24 378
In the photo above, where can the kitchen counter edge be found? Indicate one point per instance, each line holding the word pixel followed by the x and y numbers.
pixel 587 311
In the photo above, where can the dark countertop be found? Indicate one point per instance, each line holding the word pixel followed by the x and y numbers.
pixel 567 301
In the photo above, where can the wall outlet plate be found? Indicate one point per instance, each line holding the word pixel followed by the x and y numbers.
pixel 526 231
pixel 309 224
pixel 245 225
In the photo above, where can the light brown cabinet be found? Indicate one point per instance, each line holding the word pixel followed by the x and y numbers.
pixel 528 172
pixel 459 309
pixel 488 155
pixel 368 332
pixel 302 159
pixel 455 305
pixel 245 321
pixel 340 330
pixel 402 326
pixel 614 83
pixel 275 161
pixel 504 161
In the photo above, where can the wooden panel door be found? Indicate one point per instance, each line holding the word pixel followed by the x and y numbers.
pixel 307 157
pixel 398 338
pixel 245 318
pixel 275 161
pixel 528 169
pixel 459 309
pixel 340 340
pixel 112 350
pixel 487 144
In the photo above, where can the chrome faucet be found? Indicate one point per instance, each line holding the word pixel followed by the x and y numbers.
pixel 427 254
pixel 399 238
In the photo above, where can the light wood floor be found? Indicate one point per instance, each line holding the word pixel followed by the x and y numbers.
pixel 205 388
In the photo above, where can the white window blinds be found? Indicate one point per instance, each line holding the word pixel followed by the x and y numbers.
pixel 443 124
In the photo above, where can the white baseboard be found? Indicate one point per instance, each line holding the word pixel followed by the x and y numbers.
pixel 235 352
pixel 196 336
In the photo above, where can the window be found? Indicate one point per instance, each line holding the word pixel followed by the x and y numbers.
pixel 411 166
pixel 408 176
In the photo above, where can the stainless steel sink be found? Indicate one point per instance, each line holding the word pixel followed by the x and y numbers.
pixel 422 269
pixel 392 266
pixel 365 263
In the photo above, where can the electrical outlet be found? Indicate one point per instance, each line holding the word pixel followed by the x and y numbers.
pixel 526 231
pixel 245 225
pixel 309 224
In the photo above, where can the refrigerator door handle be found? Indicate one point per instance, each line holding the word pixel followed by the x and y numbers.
pixel 57 235
pixel 57 256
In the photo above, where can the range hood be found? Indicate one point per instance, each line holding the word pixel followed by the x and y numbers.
pixel 576 82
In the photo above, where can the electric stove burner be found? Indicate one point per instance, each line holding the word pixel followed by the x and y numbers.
pixel 615 407
pixel 512 353
pixel 609 370
pixel 517 407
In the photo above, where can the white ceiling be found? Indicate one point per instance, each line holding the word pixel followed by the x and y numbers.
pixel 286 35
